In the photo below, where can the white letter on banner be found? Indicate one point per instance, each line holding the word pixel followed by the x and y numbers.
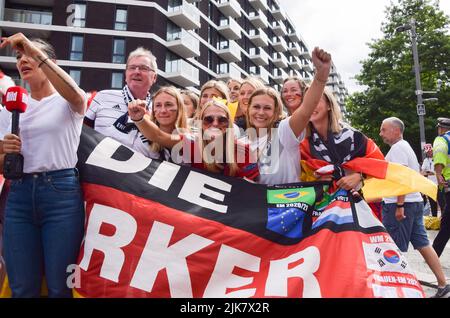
pixel 164 175
pixel 223 277
pixel 279 273
pixel 194 186
pixel 111 246
pixel 157 255
pixel 101 157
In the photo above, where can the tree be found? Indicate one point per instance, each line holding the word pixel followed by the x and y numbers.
pixel 388 73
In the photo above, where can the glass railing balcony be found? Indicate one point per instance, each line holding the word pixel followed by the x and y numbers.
pixel 28 16
pixel 182 73
pixel 185 15
pixel 258 19
pixel 259 4
pixel 229 28
pixel 230 8
pixel 183 43
pixel 229 51
pixel 279 28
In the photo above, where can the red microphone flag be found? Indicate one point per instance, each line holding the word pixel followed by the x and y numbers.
pixel 16 99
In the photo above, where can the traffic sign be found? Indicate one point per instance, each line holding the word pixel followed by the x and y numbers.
pixel 421 109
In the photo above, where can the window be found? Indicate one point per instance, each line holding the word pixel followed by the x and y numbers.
pixel 121 19
pixel 80 15
pixel 76 75
pixel 116 80
pixel 76 49
pixel 118 55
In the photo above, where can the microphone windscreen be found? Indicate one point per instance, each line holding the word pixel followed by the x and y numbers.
pixel 16 98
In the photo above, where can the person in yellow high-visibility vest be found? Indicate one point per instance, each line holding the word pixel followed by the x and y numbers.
pixel 441 158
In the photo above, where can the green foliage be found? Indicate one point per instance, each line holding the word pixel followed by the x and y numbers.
pixel 388 73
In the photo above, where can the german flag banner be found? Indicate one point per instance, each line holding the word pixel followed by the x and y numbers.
pixel 157 229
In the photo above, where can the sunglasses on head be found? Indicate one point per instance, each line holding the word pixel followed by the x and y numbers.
pixel 209 120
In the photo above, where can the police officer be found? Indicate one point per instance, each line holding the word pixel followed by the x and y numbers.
pixel 441 158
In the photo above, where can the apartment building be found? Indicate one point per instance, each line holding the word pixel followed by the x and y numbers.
pixel 193 41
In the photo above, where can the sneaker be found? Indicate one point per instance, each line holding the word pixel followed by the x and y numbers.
pixel 443 292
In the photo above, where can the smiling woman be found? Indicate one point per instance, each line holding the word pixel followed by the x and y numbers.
pixel 276 143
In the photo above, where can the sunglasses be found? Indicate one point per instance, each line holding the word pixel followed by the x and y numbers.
pixel 209 120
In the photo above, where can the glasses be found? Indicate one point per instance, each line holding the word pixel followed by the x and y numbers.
pixel 142 68
pixel 209 120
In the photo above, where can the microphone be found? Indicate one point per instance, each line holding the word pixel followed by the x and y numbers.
pixel 15 101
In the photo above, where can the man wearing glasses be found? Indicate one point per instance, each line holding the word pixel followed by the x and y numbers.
pixel 108 112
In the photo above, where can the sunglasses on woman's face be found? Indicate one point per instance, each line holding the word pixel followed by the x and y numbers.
pixel 209 120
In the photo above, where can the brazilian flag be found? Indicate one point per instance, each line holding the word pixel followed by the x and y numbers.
pixel 306 195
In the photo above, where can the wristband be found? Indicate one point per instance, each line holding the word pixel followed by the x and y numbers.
pixel 401 205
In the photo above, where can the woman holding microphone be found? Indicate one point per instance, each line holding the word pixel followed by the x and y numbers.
pixel 44 215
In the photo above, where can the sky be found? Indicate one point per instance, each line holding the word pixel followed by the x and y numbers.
pixel 343 28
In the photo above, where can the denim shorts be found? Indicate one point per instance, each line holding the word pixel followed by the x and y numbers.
pixel 411 229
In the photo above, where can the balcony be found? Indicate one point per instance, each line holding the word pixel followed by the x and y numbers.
pixel 279 76
pixel 279 44
pixel 259 4
pixel 230 8
pixel 184 44
pixel 185 15
pixel 258 38
pixel 294 36
pixel 306 66
pixel 258 19
pixel 295 49
pixel 260 58
pixel 278 14
pixel 295 63
pixel 230 52
pixel 279 60
pixel 28 16
pixel 232 72
pixel 305 54
pixel 181 73
pixel 230 29
pixel 264 75
pixel 279 28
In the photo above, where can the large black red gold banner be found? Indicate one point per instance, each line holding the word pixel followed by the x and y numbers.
pixel 157 229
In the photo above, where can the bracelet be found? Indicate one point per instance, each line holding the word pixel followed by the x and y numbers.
pixel 138 121
pixel 324 82
pixel 43 61
pixel 401 205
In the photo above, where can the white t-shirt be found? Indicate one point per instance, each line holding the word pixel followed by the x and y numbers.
pixel 402 153
pixel 50 134
pixel 428 165
pixel 5 120
pixel 278 159
pixel 106 108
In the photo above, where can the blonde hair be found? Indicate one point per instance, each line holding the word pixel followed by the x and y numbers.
pixel 180 122
pixel 335 124
pixel 218 85
pixel 229 141
pixel 278 105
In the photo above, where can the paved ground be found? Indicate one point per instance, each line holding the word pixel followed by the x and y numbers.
pixel 423 272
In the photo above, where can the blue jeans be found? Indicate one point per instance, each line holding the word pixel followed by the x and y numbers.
pixel 44 225
pixel 408 230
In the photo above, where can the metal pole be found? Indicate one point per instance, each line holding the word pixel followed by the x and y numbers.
pixel 419 92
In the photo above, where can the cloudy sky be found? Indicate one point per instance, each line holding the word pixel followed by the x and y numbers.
pixel 342 27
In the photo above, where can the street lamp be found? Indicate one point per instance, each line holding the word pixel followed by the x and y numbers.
pixel 420 105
